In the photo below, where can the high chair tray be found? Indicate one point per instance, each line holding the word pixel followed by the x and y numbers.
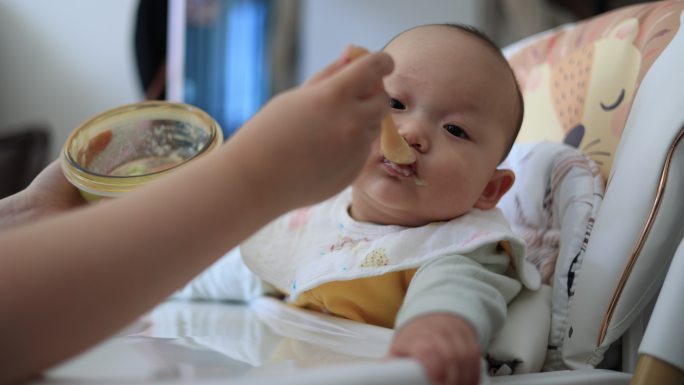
pixel 264 343
pixel 230 343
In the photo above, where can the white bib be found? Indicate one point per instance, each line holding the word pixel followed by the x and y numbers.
pixel 315 245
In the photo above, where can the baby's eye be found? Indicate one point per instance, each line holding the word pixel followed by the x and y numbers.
pixel 397 105
pixel 456 131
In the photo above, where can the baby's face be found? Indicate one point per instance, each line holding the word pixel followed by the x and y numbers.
pixel 455 103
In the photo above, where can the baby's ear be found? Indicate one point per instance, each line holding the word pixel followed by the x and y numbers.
pixel 501 181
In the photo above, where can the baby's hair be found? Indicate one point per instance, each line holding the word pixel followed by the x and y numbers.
pixel 494 48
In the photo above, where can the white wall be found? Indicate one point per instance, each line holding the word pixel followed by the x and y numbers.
pixel 64 61
pixel 330 25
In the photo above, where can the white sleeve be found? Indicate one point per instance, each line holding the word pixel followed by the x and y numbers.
pixel 228 279
pixel 473 287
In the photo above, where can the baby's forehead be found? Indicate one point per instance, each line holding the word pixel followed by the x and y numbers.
pixel 447 52
pixel 441 40
pixel 448 34
pixel 467 50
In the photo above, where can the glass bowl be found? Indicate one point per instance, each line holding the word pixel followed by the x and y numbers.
pixel 129 146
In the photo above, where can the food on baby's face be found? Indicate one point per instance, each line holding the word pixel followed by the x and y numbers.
pixel 404 170
pixel 392 144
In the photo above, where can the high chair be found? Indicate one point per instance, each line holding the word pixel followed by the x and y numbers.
pixel 611 87
pixel 600 176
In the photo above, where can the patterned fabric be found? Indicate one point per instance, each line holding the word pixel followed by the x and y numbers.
pixel 579 80
pixel 322 243
pixel 552 206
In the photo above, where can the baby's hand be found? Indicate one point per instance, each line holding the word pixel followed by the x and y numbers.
pixel 446 346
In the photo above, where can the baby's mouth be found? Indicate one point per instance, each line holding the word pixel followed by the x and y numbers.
pixel 405 170
pixel 401 170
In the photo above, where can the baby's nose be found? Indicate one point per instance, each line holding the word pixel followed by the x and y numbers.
pixel 415 138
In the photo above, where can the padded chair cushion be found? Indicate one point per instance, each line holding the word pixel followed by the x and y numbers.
pixel 610 86
pixel 579 80
pixel 552 206
pixel 520 347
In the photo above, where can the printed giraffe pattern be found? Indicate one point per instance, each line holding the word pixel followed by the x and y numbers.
pixel 377 257
pixel 540 229
pixel 579 84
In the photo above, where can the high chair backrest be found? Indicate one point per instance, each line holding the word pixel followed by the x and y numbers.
pixel 612 86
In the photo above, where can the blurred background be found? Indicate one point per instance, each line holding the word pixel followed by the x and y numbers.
pixel 62 62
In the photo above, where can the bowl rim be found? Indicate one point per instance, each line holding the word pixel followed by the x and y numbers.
pixel 113 185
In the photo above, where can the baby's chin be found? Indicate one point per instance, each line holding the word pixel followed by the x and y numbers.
pixel 372 208
pixel 363 209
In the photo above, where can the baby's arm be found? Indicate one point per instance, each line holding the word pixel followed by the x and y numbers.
pixel 452 308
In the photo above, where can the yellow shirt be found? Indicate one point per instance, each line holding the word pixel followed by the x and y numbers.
pixel 373 300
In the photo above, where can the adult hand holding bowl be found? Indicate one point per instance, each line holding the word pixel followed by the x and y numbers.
pixel 126 147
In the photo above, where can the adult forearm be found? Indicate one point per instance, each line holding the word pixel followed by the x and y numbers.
pixel 71 280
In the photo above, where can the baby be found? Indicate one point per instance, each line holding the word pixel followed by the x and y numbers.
pixel 420 248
